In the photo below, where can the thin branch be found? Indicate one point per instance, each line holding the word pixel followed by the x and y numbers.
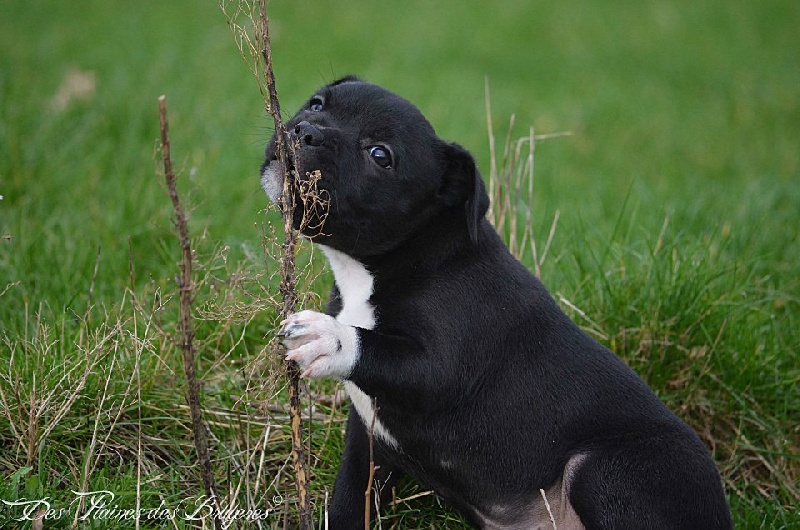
pixel 549 511
pixel 186 288
pixel 370 480
pixel 288 290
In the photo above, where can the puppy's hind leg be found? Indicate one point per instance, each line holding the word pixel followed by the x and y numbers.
pixel 662 482
pixel 347 508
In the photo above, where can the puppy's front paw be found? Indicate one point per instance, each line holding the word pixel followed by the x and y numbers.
pixel 321 345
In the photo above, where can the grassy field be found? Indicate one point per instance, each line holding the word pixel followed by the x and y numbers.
pixel 677 196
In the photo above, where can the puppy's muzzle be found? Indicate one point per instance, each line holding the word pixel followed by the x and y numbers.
pixel 304 134
pixel 307 134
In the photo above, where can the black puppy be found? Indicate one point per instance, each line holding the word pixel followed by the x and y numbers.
pixel 485 390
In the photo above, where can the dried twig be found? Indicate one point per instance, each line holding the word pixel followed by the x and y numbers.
pixel 549 511
pixel 371 479
pixel 185 288
pixel 288 289
pixel 38 520
pixel 256 50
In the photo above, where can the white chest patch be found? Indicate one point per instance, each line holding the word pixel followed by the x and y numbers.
pixel 355 285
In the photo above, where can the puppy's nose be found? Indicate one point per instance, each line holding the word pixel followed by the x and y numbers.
pixel 308 133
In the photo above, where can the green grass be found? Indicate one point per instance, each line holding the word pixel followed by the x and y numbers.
pixel 677 244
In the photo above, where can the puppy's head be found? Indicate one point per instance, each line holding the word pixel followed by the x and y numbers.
pixel 384 172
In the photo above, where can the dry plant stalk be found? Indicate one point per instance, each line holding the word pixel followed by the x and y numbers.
pixel 288 291
pixel 506 192
pixel 371 479
pixel 549 511
pixel 256 50
pixel 185 288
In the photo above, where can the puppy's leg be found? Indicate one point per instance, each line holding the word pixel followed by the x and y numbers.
pixel 347 508
pixel 662 482
pixel 390 367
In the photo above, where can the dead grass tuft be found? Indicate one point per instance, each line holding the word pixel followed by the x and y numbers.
pixel 511 191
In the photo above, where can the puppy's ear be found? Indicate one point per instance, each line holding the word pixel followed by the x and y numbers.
pixel 346 79
pixel 462 186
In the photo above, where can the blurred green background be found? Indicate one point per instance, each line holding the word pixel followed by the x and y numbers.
pixel 693 106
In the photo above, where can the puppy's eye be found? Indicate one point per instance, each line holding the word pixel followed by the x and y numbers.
pixel 381 156
pixel 316 104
